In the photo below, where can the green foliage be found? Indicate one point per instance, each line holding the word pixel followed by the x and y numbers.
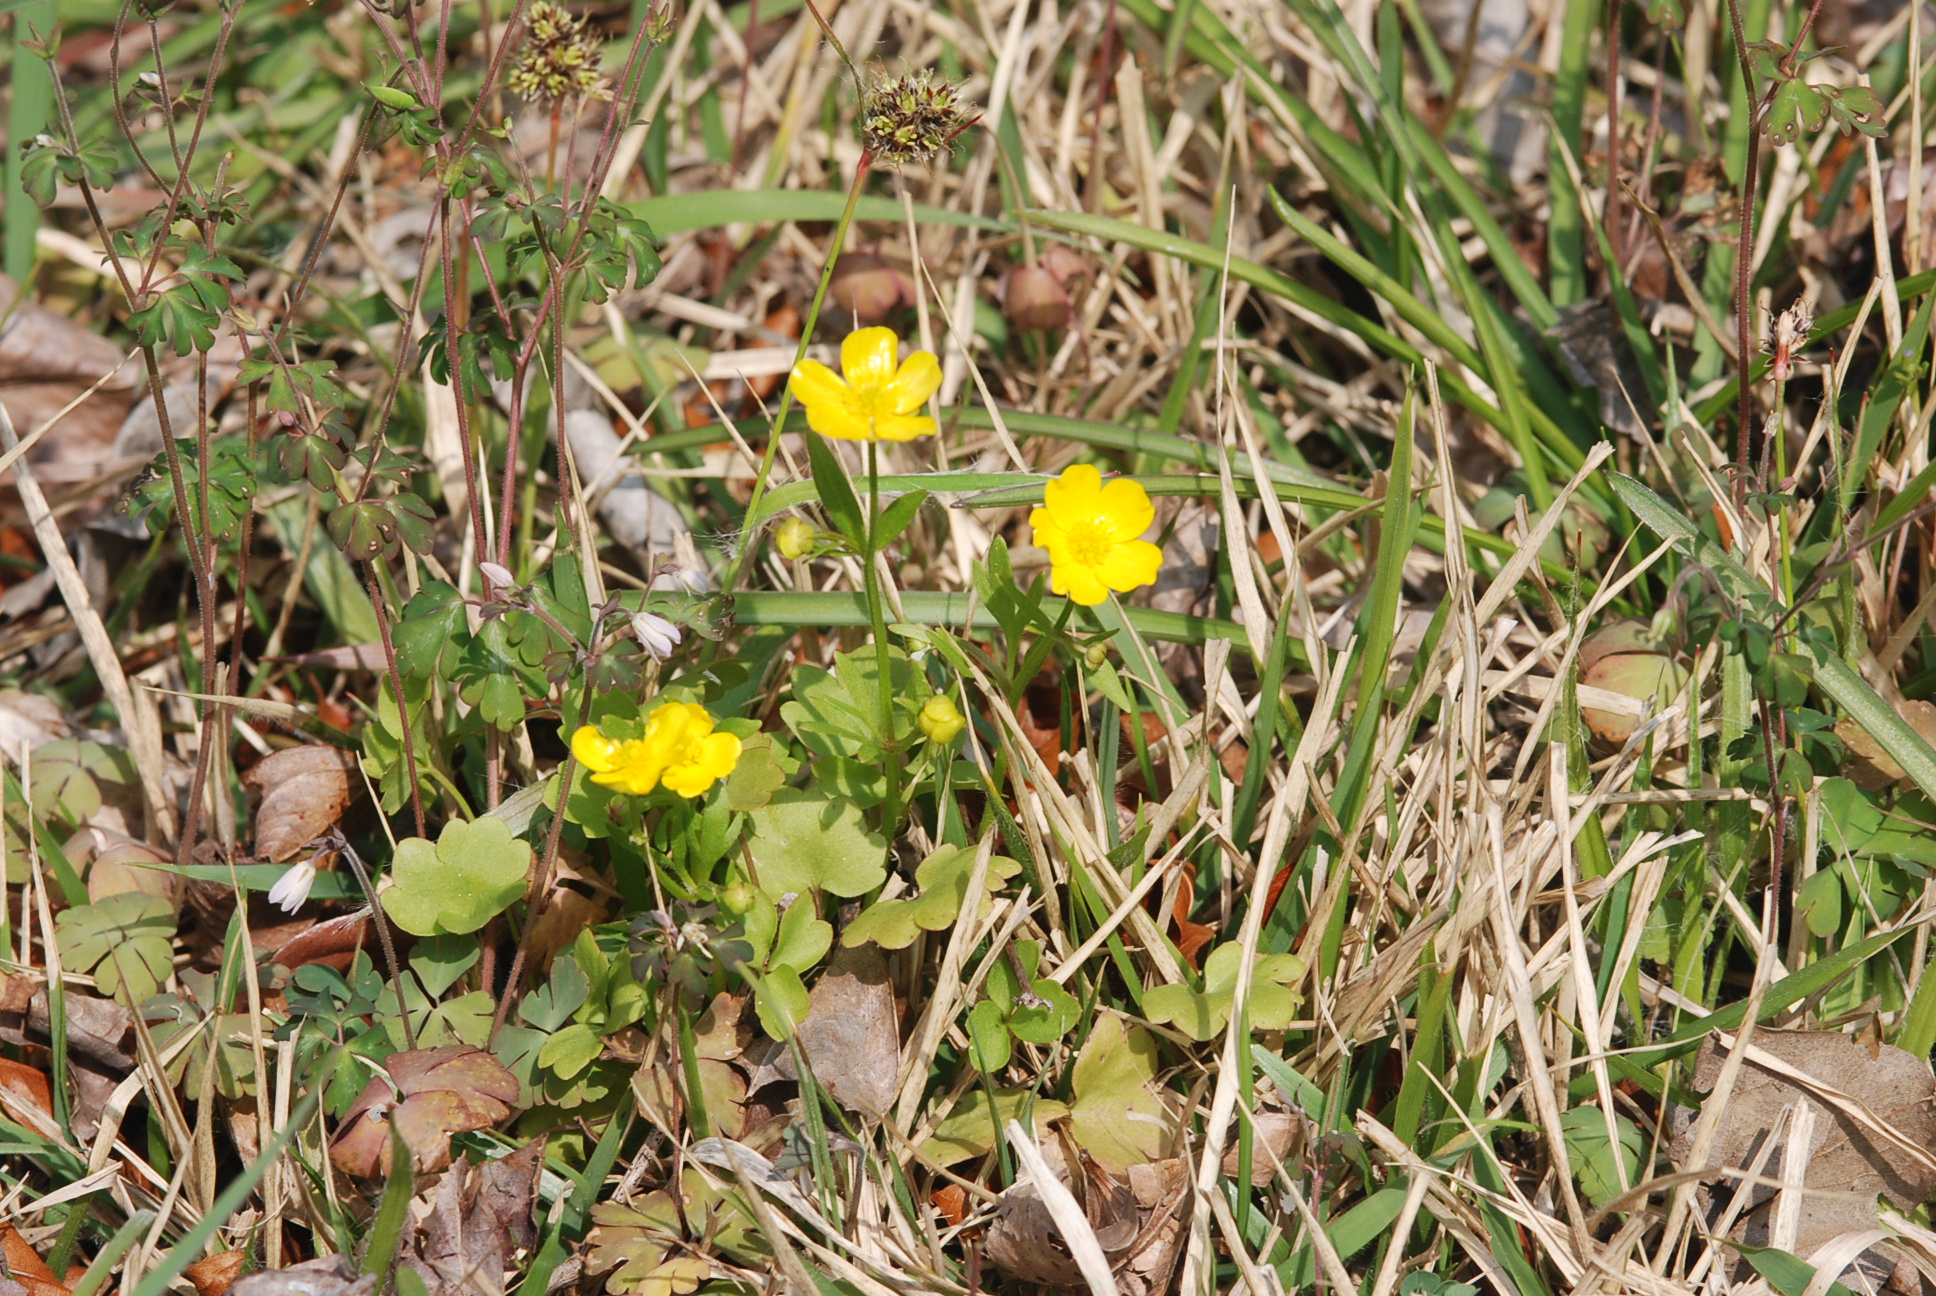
pixel 1598 1163
pixel 123 940
pixel 1796 107
pixel 1115 1114
pixel 943 879
pixel 1202 1014
pixel 231 488
pixel 803 842
pixel 474 872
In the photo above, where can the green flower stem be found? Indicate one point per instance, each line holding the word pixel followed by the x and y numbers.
pixel 738 564
pixel 891 796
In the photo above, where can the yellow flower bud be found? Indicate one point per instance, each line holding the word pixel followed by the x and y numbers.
pixel 793 538
pixel 940 721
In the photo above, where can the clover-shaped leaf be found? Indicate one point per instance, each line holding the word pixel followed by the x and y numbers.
pixel 943 881
pixel 429 1094
pixel 571 1050
pixel 1116 1117
pixel 1594 1156
pixel 645 1241
pixel 474 872
pixel 1795 107
pixel 1202 1014
pixel 803 842
pixel 551 1005
pixel 123 940
pixel 433 633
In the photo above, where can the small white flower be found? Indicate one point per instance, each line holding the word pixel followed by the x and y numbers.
pixel 500 577
pixel 658 635
pixel 292 890
pixel 688 580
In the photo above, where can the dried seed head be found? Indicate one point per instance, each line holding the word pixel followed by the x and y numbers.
pixel 1786 340
pixel 560 59
pixel 911 118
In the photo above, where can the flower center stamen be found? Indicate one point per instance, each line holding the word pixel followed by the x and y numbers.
pixel 1088 544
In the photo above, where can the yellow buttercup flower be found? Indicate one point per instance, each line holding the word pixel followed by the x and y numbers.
pixel 940 721
pixel 871 399
pixel 679 750
pixel 1090 532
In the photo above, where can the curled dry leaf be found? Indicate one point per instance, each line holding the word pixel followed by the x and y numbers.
pixel 305 791
pixel 430 1094
pixel 1850 1163
pixel 130 866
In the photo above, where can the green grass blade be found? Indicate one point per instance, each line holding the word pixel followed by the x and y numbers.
pixel 711 208
pixel 950 608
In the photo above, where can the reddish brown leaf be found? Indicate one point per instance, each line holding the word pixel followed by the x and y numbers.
pixel 952 1201
pixel 304 792
pixel 334 942
pixel 430 1094
pixel 25 1264
pixel 22 1084
pixel 214 1275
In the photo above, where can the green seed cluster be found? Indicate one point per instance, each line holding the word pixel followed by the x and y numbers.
pixel 560 59
pixel 911 118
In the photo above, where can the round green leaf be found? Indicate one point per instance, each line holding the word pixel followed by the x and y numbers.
pixel 474 872
pixel 807 843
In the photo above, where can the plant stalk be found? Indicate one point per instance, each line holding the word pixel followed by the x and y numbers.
pixel 738 563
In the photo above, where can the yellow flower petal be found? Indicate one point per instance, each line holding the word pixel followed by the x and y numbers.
pixel 902 427
pixel 1078 582
pixel 867 358
pixel 1126 511
pixel 918 379
pixel 1130 566
pixel 843 421
pixel 815 384
pixel 1074 491
pixel 593 749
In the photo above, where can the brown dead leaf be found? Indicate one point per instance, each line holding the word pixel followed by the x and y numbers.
pixel 851 1035
pixel 99 1030
pixel 121 866
pixel 26 1266
pixel 46 360
pixel 1270 1130
pixel 23 1085
pixel 1849 1163
pixel 333 1275
pixel 1134 1216
pixel 722 1032
pixel 477 1220
pixel 430 1094
pixel 1191 937
pixel 1872 767
pixel 305 791
pixel 334 942
pixel 214 1275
